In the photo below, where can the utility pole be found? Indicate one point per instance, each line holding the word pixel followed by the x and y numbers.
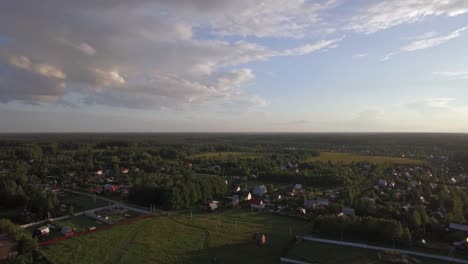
pixel 290 231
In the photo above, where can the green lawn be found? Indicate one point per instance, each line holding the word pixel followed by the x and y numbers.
pixel 180 239
pixel 80 223
pixel 225 155
pixel 319 253
pixel 82 202
pixel 349 157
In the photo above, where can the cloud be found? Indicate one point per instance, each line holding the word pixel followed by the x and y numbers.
pixel 386 14
pixel 359 56
pixel 441 104
pixel 431 40
pixel 151 59
pixel 387 56
pixel 455 75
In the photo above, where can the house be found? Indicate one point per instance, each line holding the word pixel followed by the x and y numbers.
pixel 66 231
pixel 423 200
pixel 453 181
pixel 298 187
pixel 212 206
pixel 41 232
pixel 260 190
pixel 125 171
pixel 7 247
pixel 301 211
pixel 317 203
pixel 99 173
pixel 236 189
pixel 414 184
pixel 257 204
pixel 407 207
pixel 368 199
pixel 245 196
pixel 433 185
pixel 459 227
pixel 291 191
pixel 382 183
pixel 348 211
pixel 235 201
pixel 260 238
pixel 110 188
pixel 392 184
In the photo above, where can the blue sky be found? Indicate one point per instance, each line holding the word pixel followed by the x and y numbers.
pixel 242 66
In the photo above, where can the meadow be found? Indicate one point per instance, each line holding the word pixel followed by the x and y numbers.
pixel 183 239
pixel 350 157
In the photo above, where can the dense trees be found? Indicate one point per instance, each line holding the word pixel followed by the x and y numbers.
pixel 26 244
pixel 377 229
pixel 178 193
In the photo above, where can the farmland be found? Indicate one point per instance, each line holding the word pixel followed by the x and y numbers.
pixel 181 239
pixel 349 158
pixel 225 155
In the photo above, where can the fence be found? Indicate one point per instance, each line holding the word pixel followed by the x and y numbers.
pixel 58 239
pixel 67 216
pixel 407 252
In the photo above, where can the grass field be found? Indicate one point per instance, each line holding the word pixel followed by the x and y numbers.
pixel 82 202
pixel 349 157
pixel 180 239
pixel 330 254
pixel 225 155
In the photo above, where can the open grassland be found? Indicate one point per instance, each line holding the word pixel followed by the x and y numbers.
pixel 225 155
pixel 330 254
pixel 82 202
pixel 349 158
pixel 183 239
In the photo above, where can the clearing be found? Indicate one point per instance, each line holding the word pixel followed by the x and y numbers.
pixel 350 157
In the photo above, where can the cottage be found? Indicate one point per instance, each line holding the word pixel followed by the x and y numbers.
pixel 317 203
pixel 235 201
pixel 245 196
pixel 7 247
pixel 260 238
pixel 212 206
pixel 41 232
pixel 298 187
pixel 99 173
pixel 125 171
pixel 459 227
pixel 66 231
pixel 257 204
pixel 348 211
pixel 236 189
pixel 382 183
pixel 260 190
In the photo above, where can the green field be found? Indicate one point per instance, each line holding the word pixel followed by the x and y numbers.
pixel 225 155
pixel 349 158
pixel 180 239
pixel 82 202
pixel 327 254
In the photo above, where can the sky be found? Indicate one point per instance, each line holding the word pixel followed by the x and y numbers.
pixel 234 66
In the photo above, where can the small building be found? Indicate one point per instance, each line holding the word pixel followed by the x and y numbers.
pixel 125 171
pixel 316 203
pixel 301 211
pixel 236 189
pixel 99 173
pixel 110 188
pixel 433 185
pixel 348 211
pixel 382 183
pixel 245 196
pixel 257 204
pixel 414 184
pixel 260 238
pixel 235 201
pixel 212 206
pixel 41 232
pixel 260 190
pixel 453 180
pixel 66 231
pixel 7 247
pixel 298 187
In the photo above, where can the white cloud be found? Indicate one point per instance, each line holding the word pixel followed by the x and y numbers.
pixel 387 56
pixel 152 58
pixel 456 75
pixel 441 104
pixel 359 56
pixel 390 13
pixel 429 40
